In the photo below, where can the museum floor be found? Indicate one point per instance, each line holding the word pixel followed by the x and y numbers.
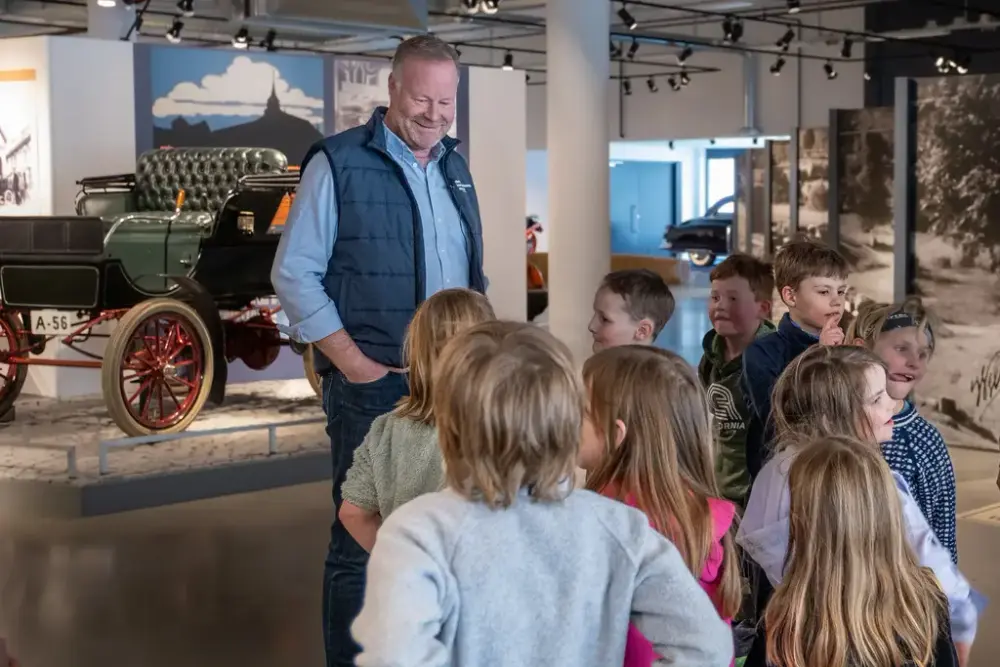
pixel 236 580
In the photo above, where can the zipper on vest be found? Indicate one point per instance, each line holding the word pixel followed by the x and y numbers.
pixel 418 235
pixel 473 249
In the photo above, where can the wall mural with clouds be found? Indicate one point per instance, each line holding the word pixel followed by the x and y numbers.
pixel 201 97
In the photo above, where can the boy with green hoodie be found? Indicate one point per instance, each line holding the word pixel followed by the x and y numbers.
pixel 739 307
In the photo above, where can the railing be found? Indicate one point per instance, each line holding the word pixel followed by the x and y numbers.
pixel 72 471
pixel 105 446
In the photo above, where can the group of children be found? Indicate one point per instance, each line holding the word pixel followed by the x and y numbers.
pixel 788 482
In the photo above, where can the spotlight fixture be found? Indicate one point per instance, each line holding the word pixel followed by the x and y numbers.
pixel 942 64
pixel 794 6
pixel 527 78
pixel 776 67
pixel 962 64
pixel 672 82
pixel 651 84
pixel 471 6
pixel 106 3
pixel 685 79
pixel 186 8
pixel 268 41
pixel 684 55
pixel 616 51
pixel 508 61
pixel 831 73
pixel 632 49
pixel 786 40
pixel 868 77
pixel 626 86
pixel 627 18
pixel 845 50
pixel 732 30
pixel 241 39
pixel 174 34
pixel 489 6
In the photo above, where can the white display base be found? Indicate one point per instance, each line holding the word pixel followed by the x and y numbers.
pixel 34 479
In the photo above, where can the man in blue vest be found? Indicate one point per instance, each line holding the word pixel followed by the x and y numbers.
pixel 386 214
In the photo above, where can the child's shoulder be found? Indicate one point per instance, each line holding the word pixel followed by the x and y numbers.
pixel 441 512
pixel 769 348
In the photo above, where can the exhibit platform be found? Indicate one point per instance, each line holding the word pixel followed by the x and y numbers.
pixel 67 458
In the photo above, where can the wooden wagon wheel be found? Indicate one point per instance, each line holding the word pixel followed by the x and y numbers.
pixel 12 374
pixel 307 363
pixel 158 368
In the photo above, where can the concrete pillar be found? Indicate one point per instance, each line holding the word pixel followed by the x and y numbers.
pixel 578 66
pixel 110 22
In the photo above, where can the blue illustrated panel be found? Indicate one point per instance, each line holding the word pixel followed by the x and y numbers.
pixel 225 98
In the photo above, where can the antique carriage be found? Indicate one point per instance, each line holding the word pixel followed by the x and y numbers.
pixel 177 256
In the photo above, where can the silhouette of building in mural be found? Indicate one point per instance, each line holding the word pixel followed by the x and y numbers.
pixel 273 129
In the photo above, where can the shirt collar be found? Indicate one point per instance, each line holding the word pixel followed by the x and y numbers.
pixel 398 149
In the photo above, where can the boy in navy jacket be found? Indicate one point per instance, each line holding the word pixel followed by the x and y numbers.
pixel 812 281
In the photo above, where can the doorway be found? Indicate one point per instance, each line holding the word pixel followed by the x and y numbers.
pixel 644 202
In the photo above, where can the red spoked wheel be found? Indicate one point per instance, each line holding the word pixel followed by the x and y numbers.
pixel 12 374
pixel 158 368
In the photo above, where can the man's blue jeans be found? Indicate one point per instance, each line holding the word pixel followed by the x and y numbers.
pixel 350 410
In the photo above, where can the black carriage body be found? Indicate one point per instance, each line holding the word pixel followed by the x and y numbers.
pixel 93 264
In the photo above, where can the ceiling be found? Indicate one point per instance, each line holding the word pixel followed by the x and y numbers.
pixel 663 28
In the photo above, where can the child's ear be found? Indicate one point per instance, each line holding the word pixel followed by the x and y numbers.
pixel 644 330
pixel 620 432
pixel 764 309
pixel 788 296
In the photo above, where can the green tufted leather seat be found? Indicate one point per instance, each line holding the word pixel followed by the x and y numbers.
pixel 207 176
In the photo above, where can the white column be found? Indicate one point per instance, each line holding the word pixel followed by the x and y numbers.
pixel 577 70
pixel 104 22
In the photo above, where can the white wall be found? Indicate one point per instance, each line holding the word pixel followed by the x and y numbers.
pixel 496 139
pixel 93 113
pixel 712 105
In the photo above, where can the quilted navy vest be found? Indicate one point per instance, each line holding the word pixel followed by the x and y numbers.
pixel 376 273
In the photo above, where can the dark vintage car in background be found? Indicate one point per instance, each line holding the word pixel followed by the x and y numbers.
pixel 703 238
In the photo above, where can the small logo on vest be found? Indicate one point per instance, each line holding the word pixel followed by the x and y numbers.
pixel 464 187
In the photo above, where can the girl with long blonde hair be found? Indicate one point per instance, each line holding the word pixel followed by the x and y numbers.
pixel 853 593
pixel 648 442
pixel 837 391
pixel 399 458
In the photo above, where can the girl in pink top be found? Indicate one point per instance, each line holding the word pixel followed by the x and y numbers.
pixel 648 442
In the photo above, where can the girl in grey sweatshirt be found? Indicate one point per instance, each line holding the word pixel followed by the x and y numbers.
pixel 509 566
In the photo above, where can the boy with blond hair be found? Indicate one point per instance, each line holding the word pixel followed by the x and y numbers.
pixel 509 565
pixel 812 282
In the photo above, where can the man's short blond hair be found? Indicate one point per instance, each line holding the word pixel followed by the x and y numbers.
pixel 509 404
pixel 424 47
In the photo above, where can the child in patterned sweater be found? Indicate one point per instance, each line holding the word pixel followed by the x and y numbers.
pixel 901 336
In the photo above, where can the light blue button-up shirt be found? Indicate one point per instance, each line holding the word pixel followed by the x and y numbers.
pixel 310 233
